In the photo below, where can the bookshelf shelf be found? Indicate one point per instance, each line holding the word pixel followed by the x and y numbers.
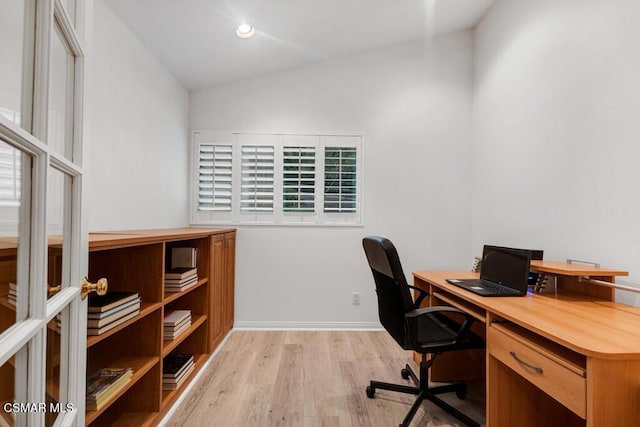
pixel 145 309
pixel 140 366
pixel 169 345
pixel 136 261
pixel 169 297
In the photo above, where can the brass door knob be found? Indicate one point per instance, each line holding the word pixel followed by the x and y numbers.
pixel 100 287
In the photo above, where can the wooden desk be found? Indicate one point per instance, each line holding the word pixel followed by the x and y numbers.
pixel 566 358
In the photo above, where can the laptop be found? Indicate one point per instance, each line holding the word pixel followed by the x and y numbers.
pixel 504 272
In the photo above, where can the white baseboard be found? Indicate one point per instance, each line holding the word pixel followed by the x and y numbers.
pixel 314 326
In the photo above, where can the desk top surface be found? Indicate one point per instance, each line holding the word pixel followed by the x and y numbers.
pixel 589 326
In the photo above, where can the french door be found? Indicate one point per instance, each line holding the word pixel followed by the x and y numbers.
pixel 43 243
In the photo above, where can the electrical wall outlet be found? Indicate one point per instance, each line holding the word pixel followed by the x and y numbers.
pixel 356 298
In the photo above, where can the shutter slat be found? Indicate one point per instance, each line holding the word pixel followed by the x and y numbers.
pixel 10 174
pixel 214 177
pixel 340 186
pixel 298 179
pixel 257 178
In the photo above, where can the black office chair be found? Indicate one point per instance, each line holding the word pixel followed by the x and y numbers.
pixel 428 331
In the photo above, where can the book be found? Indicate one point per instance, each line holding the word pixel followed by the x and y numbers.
pixel 104 314
pixel 170 328
pixel 173 362
pixel 174 334
pixel 187 279
pixel 12 296
pixel 98 303
pixel 174 317
pixel 180 375
pixel 180 273
pixel 103 329
pixel 104 384
pixel 180 288
pixel 183 257
pixel 98 323
pixel 174 386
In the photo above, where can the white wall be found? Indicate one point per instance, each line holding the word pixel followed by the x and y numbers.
pixel 556 130
pixel 138 133
pixel 413 105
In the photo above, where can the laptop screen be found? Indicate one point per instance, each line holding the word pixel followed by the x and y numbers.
pixel 508 267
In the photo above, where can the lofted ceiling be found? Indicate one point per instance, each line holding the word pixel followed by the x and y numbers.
pixel 196 41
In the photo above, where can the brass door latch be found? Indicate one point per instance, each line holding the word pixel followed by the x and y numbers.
pixel 100 287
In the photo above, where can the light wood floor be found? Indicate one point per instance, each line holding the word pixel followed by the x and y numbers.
pixel 310 379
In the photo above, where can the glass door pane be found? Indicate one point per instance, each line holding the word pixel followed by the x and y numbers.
pixel 58 183
pixel 11 49
pixel 10 379
pixel 56 365
pixel 60 134
pixel 15 170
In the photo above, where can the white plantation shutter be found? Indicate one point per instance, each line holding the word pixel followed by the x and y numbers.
pixel 9 175
pixel 288 179
pixel 340 179
pixel 257 183
pixel 214 177
pixel 298 179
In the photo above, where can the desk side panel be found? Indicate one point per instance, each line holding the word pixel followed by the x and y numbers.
pixel 613 393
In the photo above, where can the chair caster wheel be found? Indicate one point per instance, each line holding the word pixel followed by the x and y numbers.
pixel 461 394
pixel 404 373
pixel 370 392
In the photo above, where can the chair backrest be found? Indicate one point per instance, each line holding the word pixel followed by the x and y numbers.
pixel 394 296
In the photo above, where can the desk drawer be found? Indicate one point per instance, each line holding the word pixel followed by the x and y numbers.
pixel 559 378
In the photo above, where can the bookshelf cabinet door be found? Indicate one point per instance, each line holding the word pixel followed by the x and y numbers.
pixel 217 290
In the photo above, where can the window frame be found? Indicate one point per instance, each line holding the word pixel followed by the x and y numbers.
pixel 277 217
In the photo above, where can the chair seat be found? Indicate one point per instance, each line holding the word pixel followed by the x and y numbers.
pixel 434 330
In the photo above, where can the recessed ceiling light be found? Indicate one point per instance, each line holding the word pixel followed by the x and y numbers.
pixel 245 31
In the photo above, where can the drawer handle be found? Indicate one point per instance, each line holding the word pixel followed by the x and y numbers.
pixel 536 369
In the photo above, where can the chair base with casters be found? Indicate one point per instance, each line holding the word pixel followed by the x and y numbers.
pixel 424 392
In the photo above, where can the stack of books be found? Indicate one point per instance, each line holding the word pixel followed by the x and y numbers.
pixel 175 369
pixel 105 384
pixel 13 293
pixel 108 311
pixel 180 279
pixel 175 323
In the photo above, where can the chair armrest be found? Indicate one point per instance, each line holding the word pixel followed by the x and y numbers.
pixel 442 325
pixel 421 297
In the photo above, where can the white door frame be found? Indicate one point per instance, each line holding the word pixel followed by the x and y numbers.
pixel 27 338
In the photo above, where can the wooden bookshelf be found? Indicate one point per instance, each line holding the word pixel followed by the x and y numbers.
pixel 135 261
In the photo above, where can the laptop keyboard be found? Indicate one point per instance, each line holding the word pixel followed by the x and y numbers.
pixel 497 289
